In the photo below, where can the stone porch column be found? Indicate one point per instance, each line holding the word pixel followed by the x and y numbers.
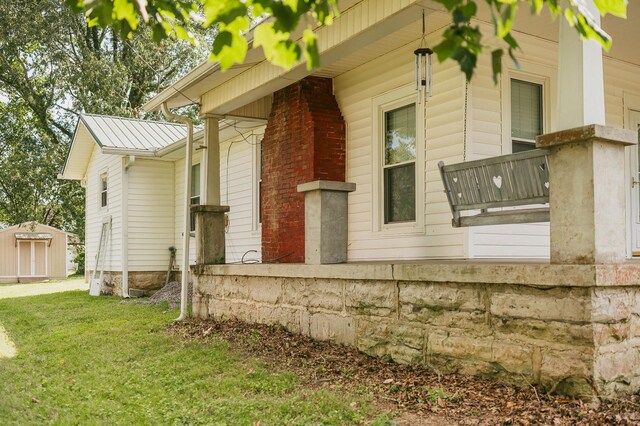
pixel 210 226
pixel 587 193
pixel 325 221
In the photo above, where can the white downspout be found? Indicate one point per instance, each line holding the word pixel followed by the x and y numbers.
pixel 186 234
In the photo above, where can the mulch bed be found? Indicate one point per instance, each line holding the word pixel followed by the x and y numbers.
pixel 419 395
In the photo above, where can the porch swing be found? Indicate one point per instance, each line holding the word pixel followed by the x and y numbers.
pixel 506 181
pixel 496 183
pixel 493 183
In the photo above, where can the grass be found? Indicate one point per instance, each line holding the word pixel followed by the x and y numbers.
pixel 95 360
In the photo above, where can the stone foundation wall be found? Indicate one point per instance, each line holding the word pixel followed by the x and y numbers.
pixel 545 324
pixel 147 281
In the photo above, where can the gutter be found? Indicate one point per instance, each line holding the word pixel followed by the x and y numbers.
pixel 129 151
pixel 186 234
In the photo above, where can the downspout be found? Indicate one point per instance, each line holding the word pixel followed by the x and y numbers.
pixel 186 234
pixel 127 162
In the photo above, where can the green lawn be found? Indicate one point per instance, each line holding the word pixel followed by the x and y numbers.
pixel 96 360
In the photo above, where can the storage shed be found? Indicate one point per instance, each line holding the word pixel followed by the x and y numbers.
pixel 32 252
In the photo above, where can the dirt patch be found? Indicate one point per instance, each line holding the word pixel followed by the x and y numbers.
pixel 417 394
pixel 7 348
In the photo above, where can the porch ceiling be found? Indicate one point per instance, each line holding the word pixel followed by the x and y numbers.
pixel 624 32
pixel 379 41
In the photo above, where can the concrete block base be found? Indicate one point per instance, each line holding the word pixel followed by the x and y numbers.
pixel 325 221
pixel 210 242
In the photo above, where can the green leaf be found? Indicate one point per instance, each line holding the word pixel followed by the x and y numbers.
pixel 449 4
pixel 229 48
pixel 445 48
pixel 613 7
pixel 496 64
pixel 311 51
pixel 123 10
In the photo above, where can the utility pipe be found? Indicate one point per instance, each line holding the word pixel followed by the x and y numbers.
pixel 186 234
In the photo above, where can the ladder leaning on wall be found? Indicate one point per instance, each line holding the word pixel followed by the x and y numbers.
pixel 98 272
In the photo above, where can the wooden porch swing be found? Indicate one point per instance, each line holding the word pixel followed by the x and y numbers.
pixel 495 183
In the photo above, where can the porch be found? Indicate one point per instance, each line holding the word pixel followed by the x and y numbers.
pixel 568 324
pixel 571 328
pixel 571 324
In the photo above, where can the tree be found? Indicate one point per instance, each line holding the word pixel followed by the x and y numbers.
pixel 461 42
pixel 54 65
pixel 29 163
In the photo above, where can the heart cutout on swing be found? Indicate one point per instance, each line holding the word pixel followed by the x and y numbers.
pixel 497 181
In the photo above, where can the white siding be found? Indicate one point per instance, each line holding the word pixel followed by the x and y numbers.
pixel 112 164
pixel 151 214
pixel 237 180
pixel 238 177
pixel 179 210
pixel 620 78
pixel 355 90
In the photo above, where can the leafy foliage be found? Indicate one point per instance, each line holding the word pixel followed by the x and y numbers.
pixel 53 65
pixel 233 18
pixel 462 41
pixel 29 163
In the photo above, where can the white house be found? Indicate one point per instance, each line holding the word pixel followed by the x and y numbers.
pixel 551 318
pixel 560 312
pixel 133 174
pixel 459 122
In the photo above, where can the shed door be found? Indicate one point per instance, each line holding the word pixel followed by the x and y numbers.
pixel 39 260
pixel 635 187
pixel 32 259
pixel 24 258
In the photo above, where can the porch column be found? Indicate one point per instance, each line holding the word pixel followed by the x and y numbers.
pixel 210 164
pixel 587 160
pixel 325 221
pixel 580 77
pixel 210 215
pixel 587 193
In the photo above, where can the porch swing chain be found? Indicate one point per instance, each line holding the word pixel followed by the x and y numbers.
pixel 464 124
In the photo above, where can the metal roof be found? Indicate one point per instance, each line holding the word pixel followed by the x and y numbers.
pixel 129 133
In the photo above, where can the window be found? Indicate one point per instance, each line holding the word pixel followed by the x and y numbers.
pixel 259 160
pixel 195 191
pixel 397 148
pixel 399 167
pixel 526 114
pixel 257 181
pixel 103 190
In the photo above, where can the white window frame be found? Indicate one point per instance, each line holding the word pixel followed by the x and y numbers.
pixel 256 140
pixel 380 105
pixel 531 73
pixel 103 177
